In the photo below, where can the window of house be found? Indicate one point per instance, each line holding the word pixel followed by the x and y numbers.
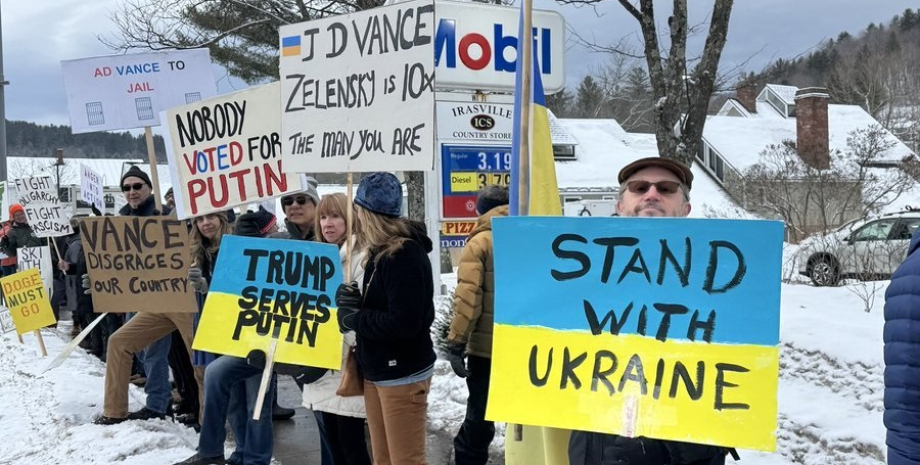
pixel 712 161
pixel 701 153
pixel 720 167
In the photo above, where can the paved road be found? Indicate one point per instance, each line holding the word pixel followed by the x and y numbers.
pixel 297 439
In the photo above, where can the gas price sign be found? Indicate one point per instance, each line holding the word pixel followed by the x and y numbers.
pixel 465 170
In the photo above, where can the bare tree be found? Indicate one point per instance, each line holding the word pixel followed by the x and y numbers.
pixel 782 186
pixel 681 95
pixel 241 35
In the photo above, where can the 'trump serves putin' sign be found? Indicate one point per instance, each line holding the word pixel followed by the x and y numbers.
pixel 129 91
pixel 264 290
pixel 664 328
pixel 357 91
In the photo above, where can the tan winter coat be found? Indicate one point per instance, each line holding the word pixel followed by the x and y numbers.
pixel 474 298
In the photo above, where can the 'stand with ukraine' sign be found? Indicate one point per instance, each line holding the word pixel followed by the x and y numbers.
pixel 663 328
pixel 269 289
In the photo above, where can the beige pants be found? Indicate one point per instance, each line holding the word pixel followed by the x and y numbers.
pixel 396 417
pixel 139 332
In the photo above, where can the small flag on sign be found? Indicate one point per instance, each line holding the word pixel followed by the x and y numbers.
pixel 290 46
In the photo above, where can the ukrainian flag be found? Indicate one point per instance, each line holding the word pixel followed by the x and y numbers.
pixel 540 191
pixel 533 445
pixel 290 46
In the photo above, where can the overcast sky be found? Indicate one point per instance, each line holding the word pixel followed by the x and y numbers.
pixel 38 34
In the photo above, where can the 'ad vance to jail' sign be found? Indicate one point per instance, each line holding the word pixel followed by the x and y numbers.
pixel 226 151
pixel 357 91
pixel 138 264
pixel 266 289
pixel 664 328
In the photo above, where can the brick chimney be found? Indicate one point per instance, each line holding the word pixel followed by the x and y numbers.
pixel 746 94
pixel 812 138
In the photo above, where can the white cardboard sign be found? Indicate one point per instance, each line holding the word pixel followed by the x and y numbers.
pixel 91 188
pixel 227 151
pixel 37 257
pixel 357 91
pixel 46 214
pixel 129 91
pixel 6 321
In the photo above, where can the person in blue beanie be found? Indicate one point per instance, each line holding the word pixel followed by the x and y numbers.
pixel 392 322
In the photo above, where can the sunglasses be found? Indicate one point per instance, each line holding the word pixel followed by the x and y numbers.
pixel 288 201
pixel 663 187
pixel 136 186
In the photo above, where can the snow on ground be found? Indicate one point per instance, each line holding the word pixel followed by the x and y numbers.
pixel 830 395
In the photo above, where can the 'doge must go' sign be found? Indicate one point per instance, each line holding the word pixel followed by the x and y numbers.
pixel 138 264
pixel 663 328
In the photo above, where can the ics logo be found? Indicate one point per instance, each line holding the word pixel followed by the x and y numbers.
pixel 482 122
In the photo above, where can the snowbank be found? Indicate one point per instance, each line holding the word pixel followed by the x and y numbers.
pixel 830 397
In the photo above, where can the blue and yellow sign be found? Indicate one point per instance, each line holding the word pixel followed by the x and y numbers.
pixel 659 327
pixel 271 289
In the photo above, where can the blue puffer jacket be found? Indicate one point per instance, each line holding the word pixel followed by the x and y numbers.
pixel 902 360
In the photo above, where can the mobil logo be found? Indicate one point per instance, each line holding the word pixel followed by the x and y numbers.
pixel 476 46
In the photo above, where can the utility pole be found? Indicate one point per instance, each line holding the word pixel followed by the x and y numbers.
pixel 3 84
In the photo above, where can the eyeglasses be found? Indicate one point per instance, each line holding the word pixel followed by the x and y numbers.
pixel 136 186
pixel 288 201
pixel 663 187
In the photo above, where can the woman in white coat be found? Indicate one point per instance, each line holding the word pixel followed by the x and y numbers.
pixel 340 419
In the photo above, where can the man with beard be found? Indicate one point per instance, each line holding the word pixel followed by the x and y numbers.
pixel 649 187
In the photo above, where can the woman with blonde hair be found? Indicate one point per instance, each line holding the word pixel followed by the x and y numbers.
pixel 392 322
pixel 340 419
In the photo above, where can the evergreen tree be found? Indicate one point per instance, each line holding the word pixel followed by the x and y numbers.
pixel 560 103
pixel 589 99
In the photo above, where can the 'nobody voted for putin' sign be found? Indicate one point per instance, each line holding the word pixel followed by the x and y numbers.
pixel 226 151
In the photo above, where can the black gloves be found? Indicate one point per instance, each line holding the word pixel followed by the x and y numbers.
pixel 347 301
pixel 456 355
pixel 302 374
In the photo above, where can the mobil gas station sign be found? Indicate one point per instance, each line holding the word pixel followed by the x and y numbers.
pixel 476 46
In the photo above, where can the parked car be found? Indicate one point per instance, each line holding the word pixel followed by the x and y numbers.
pixel 865 249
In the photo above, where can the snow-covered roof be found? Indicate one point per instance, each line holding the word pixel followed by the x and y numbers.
pixel 110 169
pixel 604 148
pixel 787 93
pixel 740 140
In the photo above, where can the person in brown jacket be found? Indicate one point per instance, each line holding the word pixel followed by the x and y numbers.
pixel 471 328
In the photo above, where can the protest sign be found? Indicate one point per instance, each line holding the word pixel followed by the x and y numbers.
pixel 37 257
pixel 226 151
pixel 268 290
pixel 357 91
pixel 6 321
pixel 46 214
pixel 5 202
pixel 663 328
pixel 91 188
pixel 106 93
pixel 27 300
pixel 138 264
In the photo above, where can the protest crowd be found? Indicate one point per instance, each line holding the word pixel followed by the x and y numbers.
pixel 384 312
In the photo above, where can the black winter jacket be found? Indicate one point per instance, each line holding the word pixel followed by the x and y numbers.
pixel 394 324
pixel 19 236
pixel 146 208
pixel 609 449
pixel 76 267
